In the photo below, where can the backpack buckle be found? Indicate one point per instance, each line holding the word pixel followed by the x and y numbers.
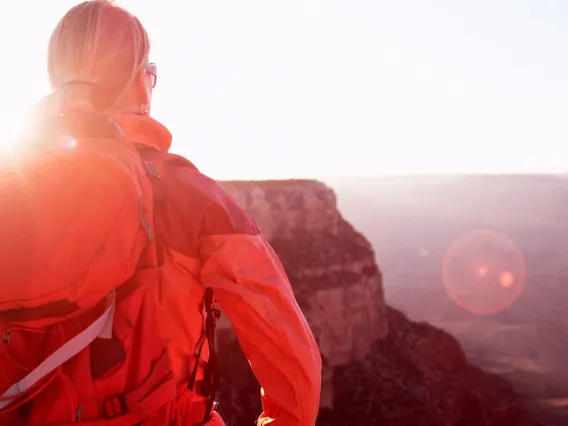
pixel 114 406
pixel 6 336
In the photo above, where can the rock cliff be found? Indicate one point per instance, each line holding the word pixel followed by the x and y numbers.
pixel 379 368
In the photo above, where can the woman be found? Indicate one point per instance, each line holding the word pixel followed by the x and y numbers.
pixel 98 64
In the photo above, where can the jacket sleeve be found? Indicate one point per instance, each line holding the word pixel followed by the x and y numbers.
pixel 253 290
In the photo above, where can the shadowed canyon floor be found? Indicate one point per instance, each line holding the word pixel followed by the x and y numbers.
pixel 413 222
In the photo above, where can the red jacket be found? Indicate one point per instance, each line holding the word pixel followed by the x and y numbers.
pixel 212 242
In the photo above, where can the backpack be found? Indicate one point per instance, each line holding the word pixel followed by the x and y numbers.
pixel 79 340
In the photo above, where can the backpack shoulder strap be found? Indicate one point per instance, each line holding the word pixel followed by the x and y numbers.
pixel 156 162
pixel 212 373
pixel 101 327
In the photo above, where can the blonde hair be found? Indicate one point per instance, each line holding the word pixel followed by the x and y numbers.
pixel 95 52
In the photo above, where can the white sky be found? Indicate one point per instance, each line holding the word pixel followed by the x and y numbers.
pixel 329 88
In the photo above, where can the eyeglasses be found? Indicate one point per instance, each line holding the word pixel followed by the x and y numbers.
pixel 152 71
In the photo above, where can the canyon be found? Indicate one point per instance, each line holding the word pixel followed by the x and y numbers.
pixel 415 222
pixel 379 367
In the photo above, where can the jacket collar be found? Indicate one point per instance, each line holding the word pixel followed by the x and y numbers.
pixel 145 130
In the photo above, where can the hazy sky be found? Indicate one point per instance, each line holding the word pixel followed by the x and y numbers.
pixel 328 88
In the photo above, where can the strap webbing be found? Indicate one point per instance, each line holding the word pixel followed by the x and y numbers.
pixel 211 373
pixel 101 327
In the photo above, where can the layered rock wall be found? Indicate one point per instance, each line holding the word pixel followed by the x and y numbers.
pixel 330 265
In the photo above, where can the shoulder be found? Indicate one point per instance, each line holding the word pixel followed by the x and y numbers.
pixel 218 211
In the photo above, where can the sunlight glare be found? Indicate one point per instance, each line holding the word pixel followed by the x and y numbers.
pixel 13 122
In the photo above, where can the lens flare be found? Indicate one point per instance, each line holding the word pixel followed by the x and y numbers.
pixel 483 271
pixel 506 279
